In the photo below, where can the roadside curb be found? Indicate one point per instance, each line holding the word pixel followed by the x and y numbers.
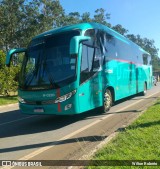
pixel 9 105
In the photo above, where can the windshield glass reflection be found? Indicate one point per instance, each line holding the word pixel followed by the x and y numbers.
pixel 48 63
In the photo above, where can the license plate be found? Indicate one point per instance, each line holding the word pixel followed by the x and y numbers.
pixel 38 110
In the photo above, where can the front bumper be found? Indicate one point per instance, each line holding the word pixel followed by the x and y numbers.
pixel 64 108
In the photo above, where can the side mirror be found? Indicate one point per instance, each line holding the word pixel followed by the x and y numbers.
pixel 11 52
pixel 74 43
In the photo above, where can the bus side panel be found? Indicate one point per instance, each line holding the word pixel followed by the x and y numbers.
pixel 123 80
pixel 132 79
pixel 85 97
pixel 150 76
pixel 90 93
pixel 141 78
pixel 144 76
pixel 126 77
pixel 110 76
pixel 147 71
pixel 122 77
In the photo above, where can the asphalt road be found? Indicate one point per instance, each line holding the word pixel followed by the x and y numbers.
pixel 25 137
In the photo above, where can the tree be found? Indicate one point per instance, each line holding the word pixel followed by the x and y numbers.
pixel 86 17
pixel 26 19
pixel 72 18
pixel 8 83
pixel 9 19
pixel 120 29
pixel 101 17
pixel 50 14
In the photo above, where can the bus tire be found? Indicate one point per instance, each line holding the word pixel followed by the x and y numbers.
pixel 145 90
pixel 108 100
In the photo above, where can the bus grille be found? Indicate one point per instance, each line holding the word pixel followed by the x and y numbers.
pixel 39 102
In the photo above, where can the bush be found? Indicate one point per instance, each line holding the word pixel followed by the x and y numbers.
pixel 8 83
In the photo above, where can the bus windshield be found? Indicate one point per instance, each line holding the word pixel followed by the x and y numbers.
pixel 48 64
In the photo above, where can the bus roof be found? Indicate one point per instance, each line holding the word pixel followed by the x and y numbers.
pixel 82 27
pixel 85 26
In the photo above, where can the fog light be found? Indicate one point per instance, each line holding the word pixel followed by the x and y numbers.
pixel 68 106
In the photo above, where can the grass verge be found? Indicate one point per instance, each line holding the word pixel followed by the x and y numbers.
pixel 8 100
pixel 139 141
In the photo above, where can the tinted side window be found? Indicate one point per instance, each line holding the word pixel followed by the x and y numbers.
pixel 149 60
pixel 140 57
pixel 146 59
pixel 86 63
pixel 91 56
pixel 109 46
pixel 90 62
pixel 135 54
pixel 124 49
pixel 87 58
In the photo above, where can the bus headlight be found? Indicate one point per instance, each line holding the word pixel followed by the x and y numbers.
pixel 65 97
pixel 21 100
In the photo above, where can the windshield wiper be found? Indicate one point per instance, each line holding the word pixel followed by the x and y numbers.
pixel 50 77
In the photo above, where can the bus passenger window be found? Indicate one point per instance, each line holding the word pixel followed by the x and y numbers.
pixel 149 60
pixel 110 47
pixel 145 59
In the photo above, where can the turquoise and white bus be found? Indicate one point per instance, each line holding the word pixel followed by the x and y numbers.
pixel 77 68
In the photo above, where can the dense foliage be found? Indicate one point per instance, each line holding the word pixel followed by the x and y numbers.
pixel 22 19
pixel 8 80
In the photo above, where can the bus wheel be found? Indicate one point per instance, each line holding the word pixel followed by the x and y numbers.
pixel 145 90
pixel 107 101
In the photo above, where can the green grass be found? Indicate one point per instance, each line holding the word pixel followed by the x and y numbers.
pixel 139 141
pixel 8 100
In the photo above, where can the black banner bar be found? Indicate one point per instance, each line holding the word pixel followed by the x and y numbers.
pixel 39 163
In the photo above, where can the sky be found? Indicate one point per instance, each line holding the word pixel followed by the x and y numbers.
pixel 137 16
